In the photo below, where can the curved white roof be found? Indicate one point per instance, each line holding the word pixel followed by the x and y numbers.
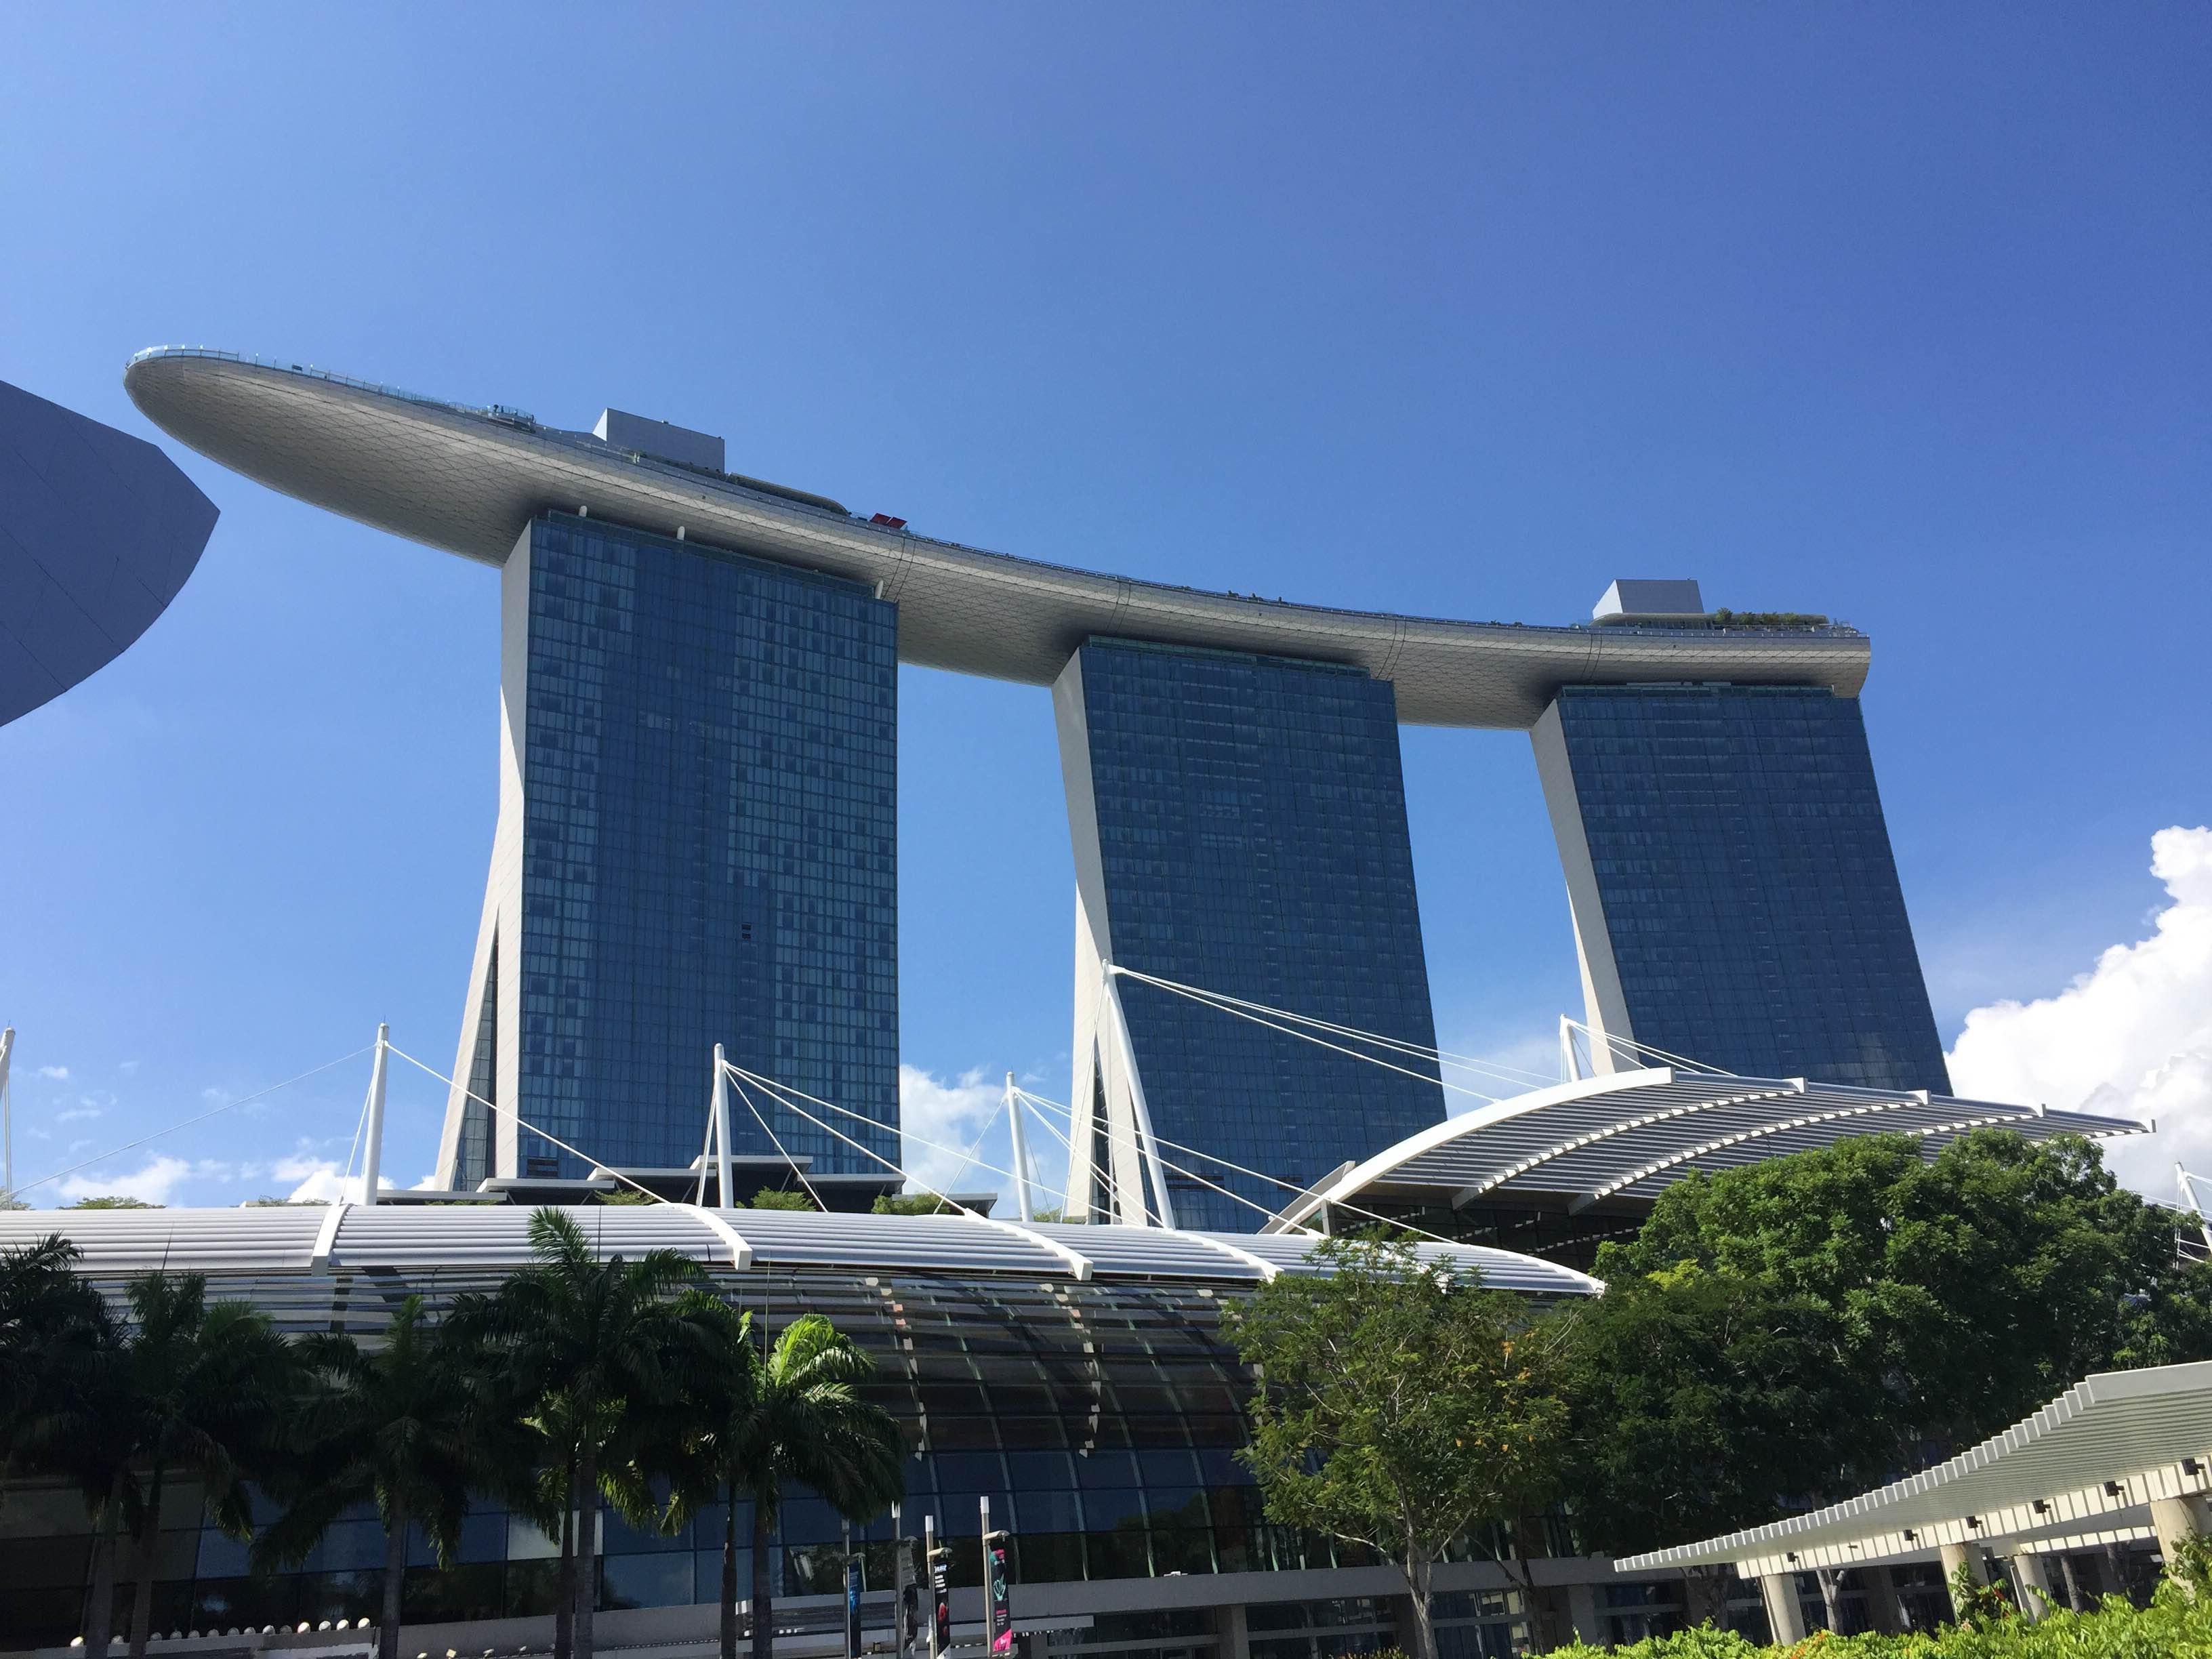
pixel 276 1239
pixel 2110 1445
pixel 1634 1134
pixel 468 480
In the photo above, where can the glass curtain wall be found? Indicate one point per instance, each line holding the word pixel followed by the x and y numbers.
pixel 710 848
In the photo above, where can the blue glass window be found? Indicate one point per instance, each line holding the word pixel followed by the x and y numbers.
pixel 710 846
pixel 1252 838
pixel 1749 891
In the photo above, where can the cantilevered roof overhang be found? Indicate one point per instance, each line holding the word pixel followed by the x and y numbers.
pixel 299 1238
pixel 1632 1135
pixel 467 480
pixel 2087 1465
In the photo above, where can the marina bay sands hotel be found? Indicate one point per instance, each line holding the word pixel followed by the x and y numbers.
pixel 698 832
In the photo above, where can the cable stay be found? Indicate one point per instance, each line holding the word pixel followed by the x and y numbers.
pixel 1289 1187
pixel 1629 1049
pixel 1207 999
pixel 523 1122
pixel 1446 1057
pixel 228 1106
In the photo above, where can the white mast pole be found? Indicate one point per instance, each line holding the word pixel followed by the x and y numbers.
pixel 7 1116
pixel 372 1154
pixel 721 1130
pixel 1142 1112
pixel 1021 1152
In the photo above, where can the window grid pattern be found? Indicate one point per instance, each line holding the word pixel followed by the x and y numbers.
pixel 1749 890
pixel 1253 841
pixel 710 846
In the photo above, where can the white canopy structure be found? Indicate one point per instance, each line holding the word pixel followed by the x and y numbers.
pixel 1615 1142
pixel 277 1239
pixel 2120 1455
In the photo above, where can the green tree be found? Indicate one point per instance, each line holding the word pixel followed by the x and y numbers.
pixel 43 1303
pixel 67 1412
pixel 201 1389
pixel 775 1198
pixel 111 1201
pixel 792 1413
pixel 1401 1406
pixel 913 1204
pixel 594 1349
pixel 1698 1400
pixel 1969 1289
pixel 407 1426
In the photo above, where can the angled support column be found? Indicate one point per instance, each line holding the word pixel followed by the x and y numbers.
pixel 1883 1602
pixel 1785 1613
pixel 2175 1520
pixel 2032 1576
pixel 1956 1556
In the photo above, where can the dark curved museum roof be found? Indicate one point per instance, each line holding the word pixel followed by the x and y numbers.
pixel 98 531
pixel 468 480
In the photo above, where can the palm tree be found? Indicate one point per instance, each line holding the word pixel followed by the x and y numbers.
pixel 405 1426
pixel 594 1347
pixel 42 1301
pixel 204 1385
pixel 67 1410
pixel 792 1413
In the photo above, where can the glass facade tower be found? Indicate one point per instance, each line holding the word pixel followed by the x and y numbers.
pixel 1735 897
pixel 698 844
pixel 1240 826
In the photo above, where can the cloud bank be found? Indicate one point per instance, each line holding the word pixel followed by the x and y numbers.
pixel 2132 1036
pixel 952 1114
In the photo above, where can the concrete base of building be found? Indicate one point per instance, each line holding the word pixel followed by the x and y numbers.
pixel 691 1631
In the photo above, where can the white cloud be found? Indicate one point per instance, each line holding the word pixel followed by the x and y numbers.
pixel 154 1183
pixel 130 1067
pixel 58 1074
pixel 952 1114
pixel 215 1096
pixel 76 1113
pixel 2131 1037
pixel 318 1179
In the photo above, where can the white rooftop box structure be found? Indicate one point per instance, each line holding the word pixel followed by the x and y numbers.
pixel 1629 600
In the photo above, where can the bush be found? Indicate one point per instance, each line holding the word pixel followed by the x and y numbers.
pixel 2176 1625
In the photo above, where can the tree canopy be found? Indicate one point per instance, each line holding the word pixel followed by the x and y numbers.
pixel 1401 1406
pixel 1966 1291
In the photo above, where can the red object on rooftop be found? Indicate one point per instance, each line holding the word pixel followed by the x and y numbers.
pixel 886 519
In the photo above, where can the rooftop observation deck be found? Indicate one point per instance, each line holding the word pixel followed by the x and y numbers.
pixel 468 479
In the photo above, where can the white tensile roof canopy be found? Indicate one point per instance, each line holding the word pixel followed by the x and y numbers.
pixel 1628 1137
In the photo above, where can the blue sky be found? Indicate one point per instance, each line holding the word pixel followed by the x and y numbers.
pixel 1893 313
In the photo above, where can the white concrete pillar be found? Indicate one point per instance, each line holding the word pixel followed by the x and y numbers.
pixel 1785 1614
pixel 2033 1573
pixel 1234 1632
pixel 2176 1518
pixel 1582 1613
pixel 1956 1556
pixel 1884 1606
